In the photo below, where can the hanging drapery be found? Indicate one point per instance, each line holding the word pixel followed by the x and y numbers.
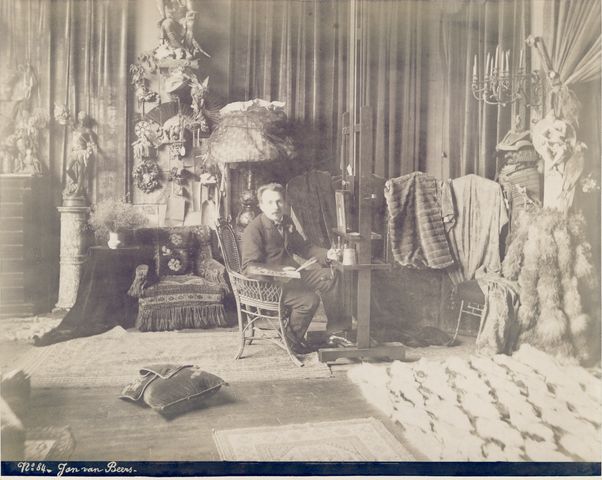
pixel 78 51
pixel 575 39
pixel 294 52
pixel 395 56
pixel 572 32
pixel 475 128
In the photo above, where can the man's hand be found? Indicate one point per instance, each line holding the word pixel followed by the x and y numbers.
pixel 334 254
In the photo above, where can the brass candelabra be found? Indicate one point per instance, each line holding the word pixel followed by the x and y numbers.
pixel 500 85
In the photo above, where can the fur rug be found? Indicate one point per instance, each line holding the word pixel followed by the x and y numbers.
pixel 551 261
pixel 527 407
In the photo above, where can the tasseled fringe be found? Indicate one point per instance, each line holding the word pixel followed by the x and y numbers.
pixel 177 318
pixel 139 281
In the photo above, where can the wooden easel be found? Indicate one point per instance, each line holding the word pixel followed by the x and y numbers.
pixel 362 239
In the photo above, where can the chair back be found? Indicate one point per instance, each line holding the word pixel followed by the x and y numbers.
pixel 228 243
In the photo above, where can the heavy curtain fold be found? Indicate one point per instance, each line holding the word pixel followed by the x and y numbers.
pixel 394 79
pixel 294 52
pixel 474 128
pixel 575 39
pixel 573 34
pixel 297 52
pixel 78 51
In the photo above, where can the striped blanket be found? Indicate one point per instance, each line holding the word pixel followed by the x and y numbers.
pixel 415 223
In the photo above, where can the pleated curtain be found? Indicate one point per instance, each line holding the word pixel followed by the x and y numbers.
pixel 469 29
pixel 78 51
pixel 297 52
pixel 294 52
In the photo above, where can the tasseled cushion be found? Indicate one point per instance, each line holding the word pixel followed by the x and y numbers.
pixel 172 389
pixel 181 301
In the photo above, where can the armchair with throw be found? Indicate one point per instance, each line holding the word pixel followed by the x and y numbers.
pixel 185 287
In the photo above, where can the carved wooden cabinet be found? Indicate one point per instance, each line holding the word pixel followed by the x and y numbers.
pixel 25 239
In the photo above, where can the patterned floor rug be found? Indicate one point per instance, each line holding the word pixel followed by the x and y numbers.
pixel 49 444
pixel 115 357
pixel 355 440
pixel 24 329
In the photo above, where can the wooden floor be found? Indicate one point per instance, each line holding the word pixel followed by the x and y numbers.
pixel 108 428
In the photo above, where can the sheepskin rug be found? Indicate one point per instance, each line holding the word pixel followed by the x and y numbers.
pixel 527 407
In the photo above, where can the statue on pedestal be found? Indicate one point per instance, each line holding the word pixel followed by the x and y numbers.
pixel 177 30
pixel 83 146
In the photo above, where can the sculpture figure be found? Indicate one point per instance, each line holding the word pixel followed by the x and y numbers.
pixel 30 164
pixel 177 29
pixel 198 92
pixel 83 146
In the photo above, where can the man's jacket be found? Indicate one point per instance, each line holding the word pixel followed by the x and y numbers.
pixel 263 244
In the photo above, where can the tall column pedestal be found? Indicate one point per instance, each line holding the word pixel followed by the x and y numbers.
pixel 73 253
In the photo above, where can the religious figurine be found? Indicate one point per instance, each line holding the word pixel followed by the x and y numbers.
pixel 177 29
pixel 556 141
pixel 30 163
pixel 83 146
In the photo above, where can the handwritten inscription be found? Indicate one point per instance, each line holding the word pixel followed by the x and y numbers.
pixel 66 469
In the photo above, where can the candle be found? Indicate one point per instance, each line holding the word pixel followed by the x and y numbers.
pixel 507 68
pixel 474 68
pixel 522 59
pixel 487 65
pixel 496 61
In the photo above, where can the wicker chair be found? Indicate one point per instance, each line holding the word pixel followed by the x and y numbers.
pixel 261 313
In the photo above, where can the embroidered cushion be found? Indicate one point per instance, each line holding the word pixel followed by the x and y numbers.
pixel 172 389
pixel 173 253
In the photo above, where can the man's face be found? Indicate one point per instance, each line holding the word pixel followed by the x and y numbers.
pixel 272 205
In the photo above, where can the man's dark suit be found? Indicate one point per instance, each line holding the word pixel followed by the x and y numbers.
pixel 263 243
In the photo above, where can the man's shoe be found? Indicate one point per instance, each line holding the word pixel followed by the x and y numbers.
pixel 339 342
pixel 296 345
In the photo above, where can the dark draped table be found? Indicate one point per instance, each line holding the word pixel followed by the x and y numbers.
pixel 102 300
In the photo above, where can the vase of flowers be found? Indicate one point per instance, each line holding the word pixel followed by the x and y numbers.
pixel 112 219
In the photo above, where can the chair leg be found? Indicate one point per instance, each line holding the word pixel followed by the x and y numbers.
pixel 241 329
pixel 251 337
pixel 287 347
pixel 453 340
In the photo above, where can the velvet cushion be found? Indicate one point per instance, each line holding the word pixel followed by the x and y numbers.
pixel 199 241
pixel 173 253
pixel 172 389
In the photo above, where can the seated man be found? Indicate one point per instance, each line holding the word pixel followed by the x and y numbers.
pixel 271 239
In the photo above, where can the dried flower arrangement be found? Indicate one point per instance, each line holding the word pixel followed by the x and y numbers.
pixel 115 216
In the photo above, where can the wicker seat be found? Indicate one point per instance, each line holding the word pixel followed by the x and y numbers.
pixel 261 313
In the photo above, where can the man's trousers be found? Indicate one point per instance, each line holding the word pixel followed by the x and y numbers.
pixel 303 295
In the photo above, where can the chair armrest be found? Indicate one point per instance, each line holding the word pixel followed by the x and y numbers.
pixel 140 281
pixel 213 271
pixel 259 290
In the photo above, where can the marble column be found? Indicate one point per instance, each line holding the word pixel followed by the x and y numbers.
pixel 73 253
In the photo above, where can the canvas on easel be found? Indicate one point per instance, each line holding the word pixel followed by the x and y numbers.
pixel 342 208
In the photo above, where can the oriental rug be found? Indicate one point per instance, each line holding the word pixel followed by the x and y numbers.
pixel 115 357
pixel 355 440
pixel 49 444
